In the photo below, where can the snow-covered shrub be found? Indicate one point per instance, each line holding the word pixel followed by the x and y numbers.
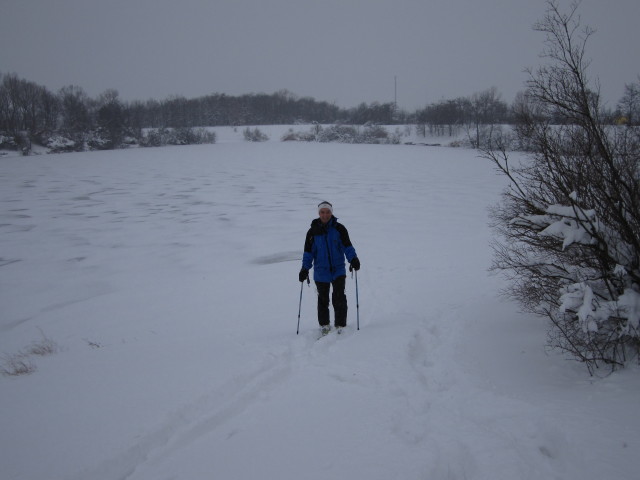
pixel 291 136
pixel 57 143
pixel 338 133
pixel 8 142
pixel 158 137
pixel 154 137
pixel 254 135
pixel 99 139
pixel 129 141
pixel 205 136
pixel 184 136
pixel 569 224
pixel 345 134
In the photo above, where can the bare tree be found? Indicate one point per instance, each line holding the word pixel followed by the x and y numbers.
pixel 569 224
pixel 485 110
pixel 17 104
pixel 75 110
pixel 629 104
pixel 444 117
pixel 110 120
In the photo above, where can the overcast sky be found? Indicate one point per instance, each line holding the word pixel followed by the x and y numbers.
pixel 343 51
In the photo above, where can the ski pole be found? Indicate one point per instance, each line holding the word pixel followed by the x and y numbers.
pixel 357 302
pixel 300 305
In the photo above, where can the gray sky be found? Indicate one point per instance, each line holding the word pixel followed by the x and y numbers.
pixel 343 51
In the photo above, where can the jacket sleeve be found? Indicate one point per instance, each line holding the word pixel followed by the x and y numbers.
pixel 307 255
pixel 349 250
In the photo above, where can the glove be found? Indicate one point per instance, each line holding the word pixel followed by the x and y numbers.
pixel 355 264
pixel 303 275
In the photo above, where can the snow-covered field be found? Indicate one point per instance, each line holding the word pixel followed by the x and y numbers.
pixel 167 279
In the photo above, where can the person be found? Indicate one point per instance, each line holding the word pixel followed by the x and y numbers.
pixel 326 246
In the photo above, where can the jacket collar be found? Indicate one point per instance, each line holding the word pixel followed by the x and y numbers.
pixel 319 229
pixel 317 223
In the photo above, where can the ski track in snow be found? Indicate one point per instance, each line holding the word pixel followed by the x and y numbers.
pixel 181 265
pixel 193 421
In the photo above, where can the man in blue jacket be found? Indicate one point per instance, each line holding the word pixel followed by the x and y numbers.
pixel 326 246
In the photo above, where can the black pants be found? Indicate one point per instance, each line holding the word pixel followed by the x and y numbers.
pixel 338 298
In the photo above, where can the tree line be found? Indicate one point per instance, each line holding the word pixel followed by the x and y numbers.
pixel 71 120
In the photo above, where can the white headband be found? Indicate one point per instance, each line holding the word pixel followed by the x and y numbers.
pixel 325 205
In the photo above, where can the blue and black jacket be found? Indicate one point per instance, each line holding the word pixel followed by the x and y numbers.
pixel 325 248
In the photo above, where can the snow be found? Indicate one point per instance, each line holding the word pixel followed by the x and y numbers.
pixel 167 278
pixel 592 312
pixel 563 222
pixel 630 303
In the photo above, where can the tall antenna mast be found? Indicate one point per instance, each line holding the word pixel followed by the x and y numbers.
pixel 395 92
